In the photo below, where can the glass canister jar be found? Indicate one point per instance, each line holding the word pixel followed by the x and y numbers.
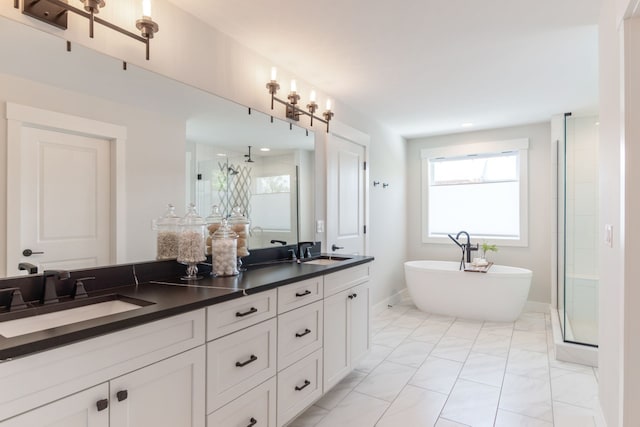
pixel 213 221
pixel 224 251
pixel 167 234
pixel 191 241
pixel 240 225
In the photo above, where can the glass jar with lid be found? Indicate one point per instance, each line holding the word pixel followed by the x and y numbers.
pixel 167 234
pixel 213 222
pixel 191 242
pixel 240 224
pixel 224 251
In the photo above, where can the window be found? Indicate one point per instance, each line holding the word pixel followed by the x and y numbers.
pixel 479 188
pixel 271 203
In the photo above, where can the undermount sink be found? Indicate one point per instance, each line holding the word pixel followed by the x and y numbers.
pixel 68 313
pixel 326 260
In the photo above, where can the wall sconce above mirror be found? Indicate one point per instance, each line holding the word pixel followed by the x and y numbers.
pixel 294 112
pixel 55 12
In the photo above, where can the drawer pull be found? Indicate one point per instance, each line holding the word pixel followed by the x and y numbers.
pixel 306 332
pixel 246 313
pixel 306 383
pixel 102 404
pixel 252 359
pixel 252 422
pixel 122 395
pixel 304 294
pixel 351 296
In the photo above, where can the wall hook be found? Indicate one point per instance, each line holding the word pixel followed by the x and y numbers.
pixel 376 183
pixel 385 184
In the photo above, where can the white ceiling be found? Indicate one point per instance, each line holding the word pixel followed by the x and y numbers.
pixel 425 67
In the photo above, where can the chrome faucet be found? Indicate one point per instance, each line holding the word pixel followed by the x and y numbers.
pixel 302 254
pixel 49 294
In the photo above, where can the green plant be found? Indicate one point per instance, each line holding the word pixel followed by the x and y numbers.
pixel 488 248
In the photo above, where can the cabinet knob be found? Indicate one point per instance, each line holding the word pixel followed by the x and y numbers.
pixel 122 395
pixel 252 422
pixel 102 404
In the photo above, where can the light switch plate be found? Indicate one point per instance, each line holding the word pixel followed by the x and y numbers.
pixel 320 226
pixel 608 235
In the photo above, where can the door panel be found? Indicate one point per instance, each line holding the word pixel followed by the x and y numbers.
pixel 65 200
pixel 345 196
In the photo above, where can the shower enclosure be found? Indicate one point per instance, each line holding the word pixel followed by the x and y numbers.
pixel 578 270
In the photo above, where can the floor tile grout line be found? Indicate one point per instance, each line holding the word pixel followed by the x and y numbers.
pixel 504 375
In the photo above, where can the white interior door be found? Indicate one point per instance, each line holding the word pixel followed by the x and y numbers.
pixel 345 196
pixel 64 200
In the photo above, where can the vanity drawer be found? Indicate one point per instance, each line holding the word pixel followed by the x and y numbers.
pixel 299 333
pixel 240 361
pixel 298 294
pixel 299 386
pixel 231 316
pixel 344 279
pixel 259 404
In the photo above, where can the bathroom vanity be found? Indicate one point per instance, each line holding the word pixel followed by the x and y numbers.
pixel 256 349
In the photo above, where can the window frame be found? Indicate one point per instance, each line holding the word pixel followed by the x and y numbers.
pixel 520 145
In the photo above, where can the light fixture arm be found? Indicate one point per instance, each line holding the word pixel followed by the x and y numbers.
pixel 40 10
pixel 292 110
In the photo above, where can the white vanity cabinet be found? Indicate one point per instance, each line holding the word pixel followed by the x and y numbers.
pixel 147 375
pixel 347 332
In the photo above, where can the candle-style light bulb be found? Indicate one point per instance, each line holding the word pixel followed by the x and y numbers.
pixel 146 8
pixel 328 105
pixel 274 73
pixel 294 86
pixel 312 96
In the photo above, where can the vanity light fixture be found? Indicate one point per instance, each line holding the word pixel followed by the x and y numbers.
pixel 55 12
pixel 292 109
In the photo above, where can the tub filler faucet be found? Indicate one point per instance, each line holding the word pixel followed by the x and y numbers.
pixel 465 247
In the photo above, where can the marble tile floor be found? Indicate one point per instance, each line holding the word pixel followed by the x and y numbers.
pixel 432 370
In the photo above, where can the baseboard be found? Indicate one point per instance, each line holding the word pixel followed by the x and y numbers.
pixel 536 307
pixel 392 300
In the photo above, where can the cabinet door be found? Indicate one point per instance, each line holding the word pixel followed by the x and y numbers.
pixel 360 328
pixel 169 393
pixel 77 410
pixel 336 339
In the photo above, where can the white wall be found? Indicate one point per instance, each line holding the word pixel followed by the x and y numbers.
pixel 536 255
pixel 190 51
pixel 619 351
pixel 153 143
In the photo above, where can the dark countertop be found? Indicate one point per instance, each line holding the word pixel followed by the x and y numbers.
pixel 169 297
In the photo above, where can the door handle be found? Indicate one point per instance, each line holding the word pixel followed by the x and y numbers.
pixel 29 252
pixel 335 248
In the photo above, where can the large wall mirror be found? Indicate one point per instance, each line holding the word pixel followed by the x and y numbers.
pixel 178 145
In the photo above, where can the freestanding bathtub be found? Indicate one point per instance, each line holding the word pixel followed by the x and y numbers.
pixel 440 287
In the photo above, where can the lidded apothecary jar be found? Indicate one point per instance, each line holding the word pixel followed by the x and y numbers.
pixel 167 234
pixel 191 242
pixel 213 221
pixel 223 256
pixel 240 225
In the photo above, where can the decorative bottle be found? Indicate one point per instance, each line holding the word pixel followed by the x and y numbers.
pixel 191 243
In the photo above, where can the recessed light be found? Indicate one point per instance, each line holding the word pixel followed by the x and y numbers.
pixel 265 149
pixel 221 155
pixel 597 123
pixel 467 125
